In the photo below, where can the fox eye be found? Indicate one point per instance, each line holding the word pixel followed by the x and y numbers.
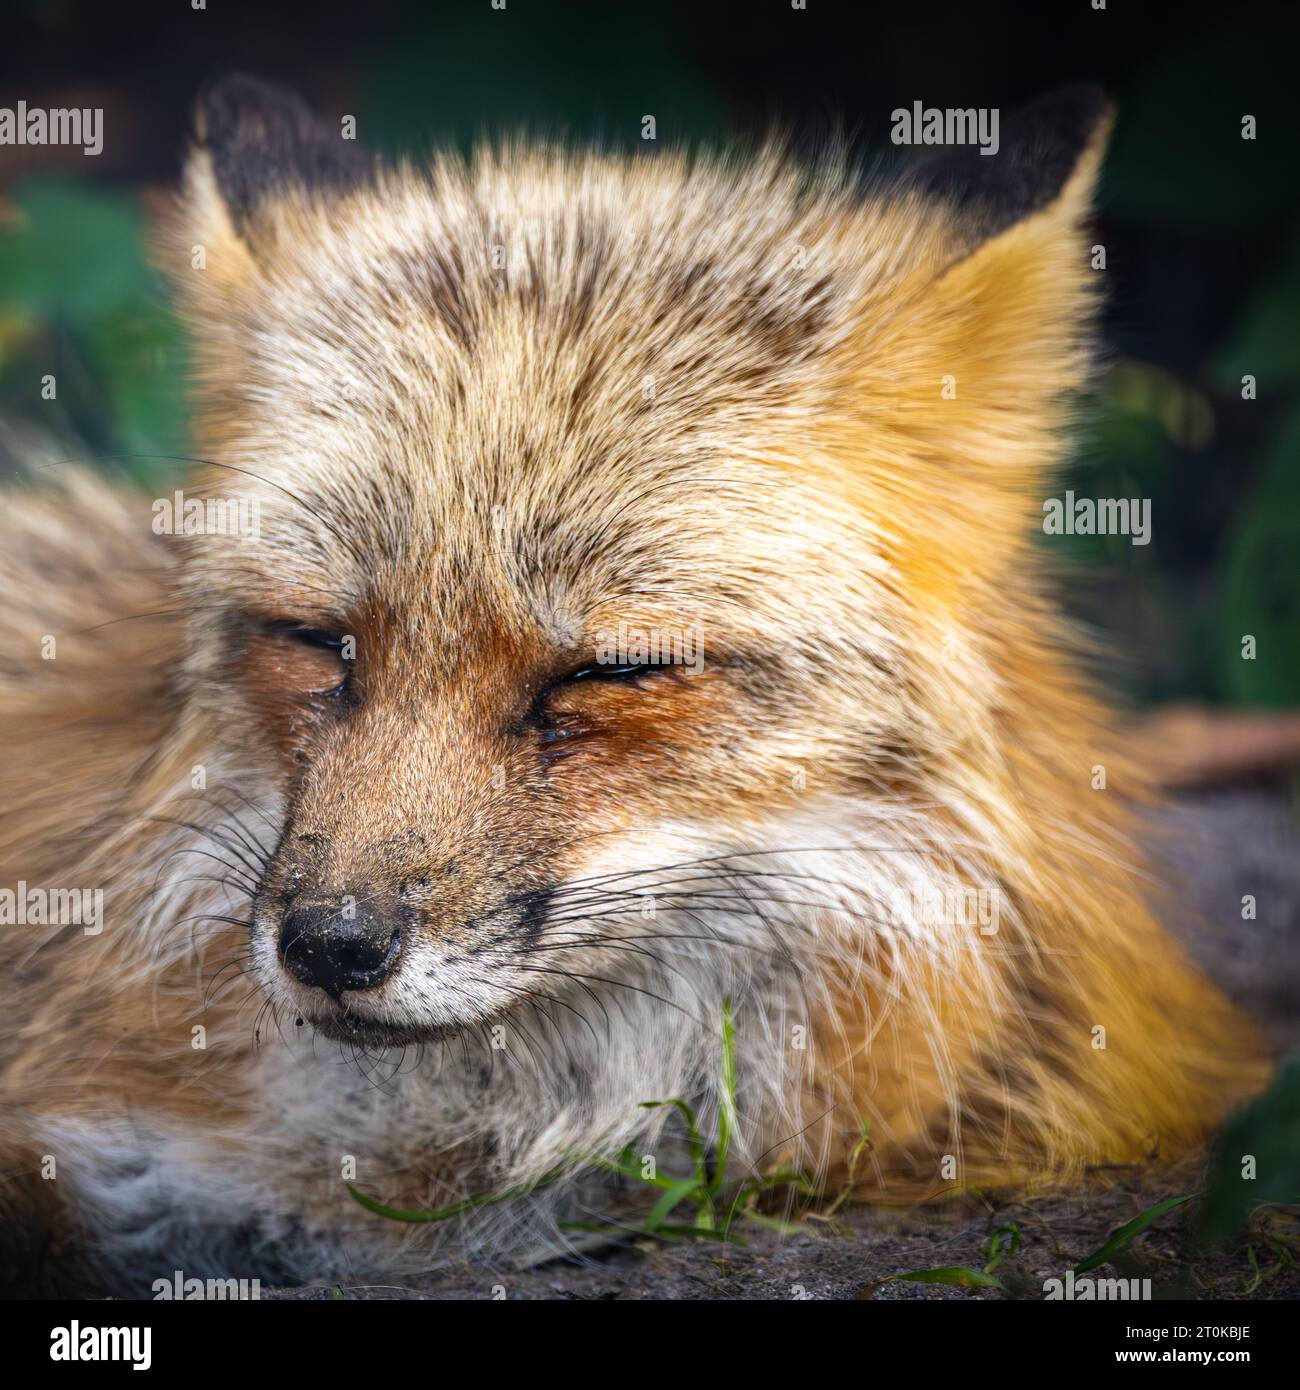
pixel 608 671
pixel 596 672
pixel 299 657
pixel 313 637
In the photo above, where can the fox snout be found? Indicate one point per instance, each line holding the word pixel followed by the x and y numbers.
pixel 347 943
pixel 379 931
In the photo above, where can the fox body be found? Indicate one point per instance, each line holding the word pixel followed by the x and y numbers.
pixel 417 873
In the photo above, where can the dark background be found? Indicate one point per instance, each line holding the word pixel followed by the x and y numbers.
pixel 1200 228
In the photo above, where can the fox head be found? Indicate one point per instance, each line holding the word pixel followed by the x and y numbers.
pixel 629 527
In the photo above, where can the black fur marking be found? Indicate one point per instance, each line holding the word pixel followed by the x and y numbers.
pixel 1039 147
pixel 262 138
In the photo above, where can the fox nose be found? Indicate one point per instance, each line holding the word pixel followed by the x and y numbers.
pixel 339 945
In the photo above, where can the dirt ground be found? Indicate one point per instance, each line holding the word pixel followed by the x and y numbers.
pixel 863 1245
pixel 1218 847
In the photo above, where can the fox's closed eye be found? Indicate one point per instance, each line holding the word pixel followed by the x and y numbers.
pixel 550 701
pixel 304 634
pixel 610 671
pixel 316 637
pixel 299 657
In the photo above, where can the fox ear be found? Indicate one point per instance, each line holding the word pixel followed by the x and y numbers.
pixel 261 140
pixel 960 378
pixel 1042 150
pixel 256 144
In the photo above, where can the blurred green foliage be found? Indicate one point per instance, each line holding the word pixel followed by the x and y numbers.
pixel 1197 204
pixel 80 302
pixel 1205 583
pixel 1256 1159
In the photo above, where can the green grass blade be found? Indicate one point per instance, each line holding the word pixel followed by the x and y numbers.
pixel 949 1274
pixel 774 1223
pixel 669 1201
pixel 692 1129
pixel 630 1170
pixel 486 1199
pixel 1122 1238
pixel 702 1188
pixel 1011 1234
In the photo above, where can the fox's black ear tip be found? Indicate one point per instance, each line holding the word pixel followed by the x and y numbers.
pixel 1085 99
pixel 1072 115
pixel 262 137
pixel 224 87
pixel 1038 149
pixel 240 108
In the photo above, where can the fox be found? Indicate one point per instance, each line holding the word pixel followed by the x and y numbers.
pixel 646 636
